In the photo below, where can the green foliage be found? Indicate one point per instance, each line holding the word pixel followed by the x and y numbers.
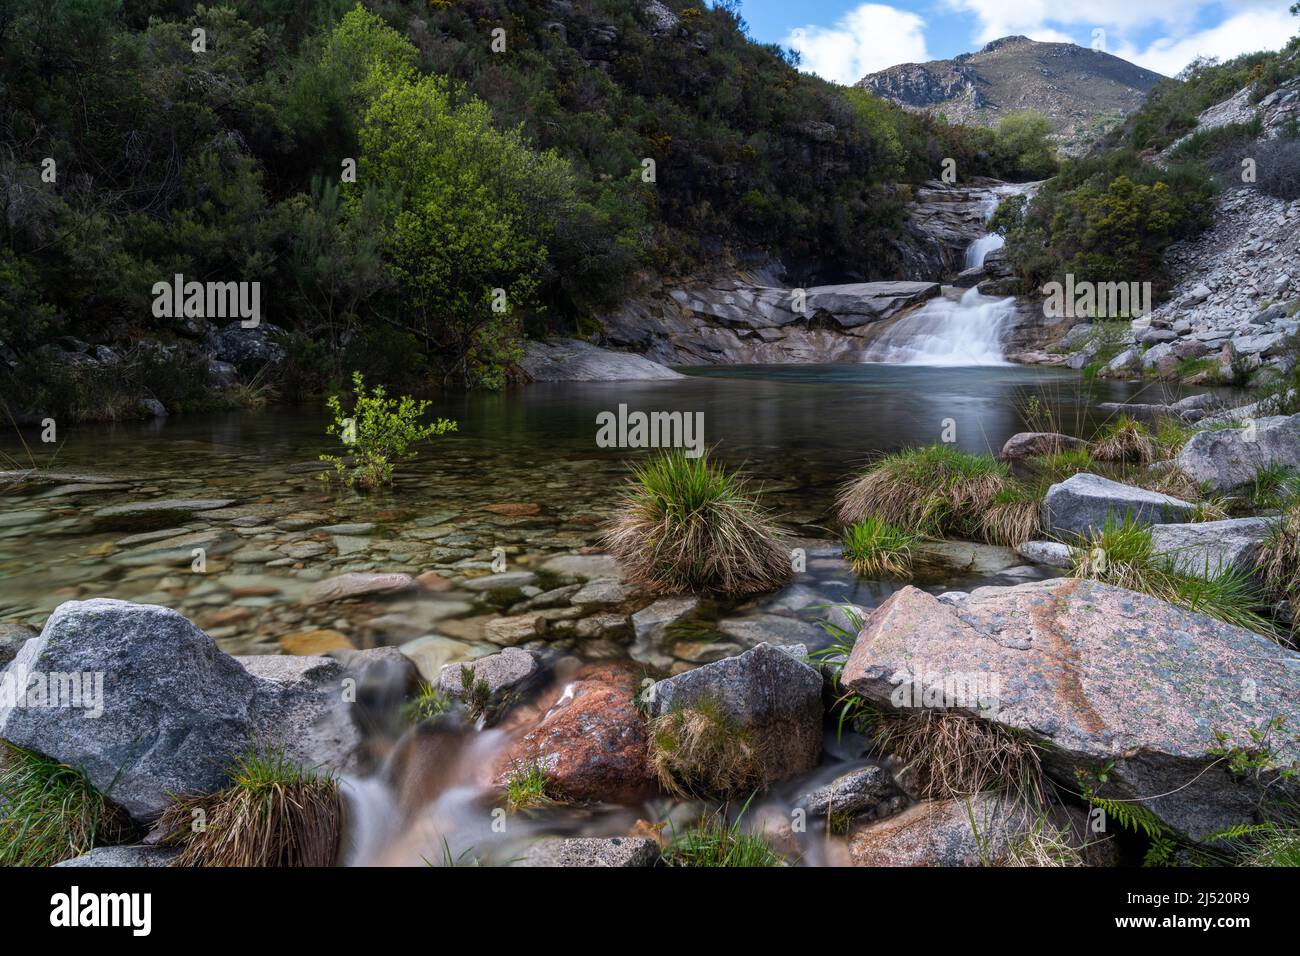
pixel 49 811
pixel 716 842
pixel 1023 146
pixel 1122 554
pixel 876 547
pixel 526 787
pixel 378 432
pixel 477 170
pixel 427 703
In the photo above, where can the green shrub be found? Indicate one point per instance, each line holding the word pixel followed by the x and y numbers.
pixel 378 432
pixel 690 525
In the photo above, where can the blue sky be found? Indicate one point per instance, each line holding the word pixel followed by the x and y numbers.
pixel 843 40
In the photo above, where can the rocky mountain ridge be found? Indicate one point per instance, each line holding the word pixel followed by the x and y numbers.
pixel 1081 91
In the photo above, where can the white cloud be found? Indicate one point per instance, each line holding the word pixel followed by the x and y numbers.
pixel 1252 25
pixel 1241 33
pixel 864 40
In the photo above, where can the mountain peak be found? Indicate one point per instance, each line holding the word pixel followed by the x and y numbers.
pixel 1082 92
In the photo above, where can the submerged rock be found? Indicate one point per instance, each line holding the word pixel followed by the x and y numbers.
pixel 593 851
pixel 651 628
pixel 1082 503
pixel 1228 458
pixel 144 515
pixel 768 693
pixel 355 584
pixel 1103 677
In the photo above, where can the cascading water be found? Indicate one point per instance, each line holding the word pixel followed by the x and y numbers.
pixel 947 331
pixel 960 327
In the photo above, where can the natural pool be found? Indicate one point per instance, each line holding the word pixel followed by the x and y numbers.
pixel 524 479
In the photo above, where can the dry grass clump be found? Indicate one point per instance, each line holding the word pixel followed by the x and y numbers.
pixel 1279 558
pixel 1126 440
pixel 1012 517
pixel 1043 844
pixel 697 750
pixel 274 813
pixel 934 490
pixel 691 526
pixel 956 755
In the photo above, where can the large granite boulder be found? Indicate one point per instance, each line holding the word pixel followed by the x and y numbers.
pixel 573 360
pixel 1102 677
pixel 161 709
pixel 767 692
pixel 1082 503
pixel 1228 458
pixel 1205 548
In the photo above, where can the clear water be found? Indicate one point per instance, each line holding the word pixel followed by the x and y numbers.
pixel 799 430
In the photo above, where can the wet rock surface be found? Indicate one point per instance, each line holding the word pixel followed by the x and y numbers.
pixel 767 692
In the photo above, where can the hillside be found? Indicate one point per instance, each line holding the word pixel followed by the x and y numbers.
pixel 1082 92
pixel 519 167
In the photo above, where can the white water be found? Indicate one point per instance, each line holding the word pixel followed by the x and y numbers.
pixel 947 331
pixel 955 331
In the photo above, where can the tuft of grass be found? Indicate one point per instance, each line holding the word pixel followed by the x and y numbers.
pixel 427 703
pixel 1011 518
pixel 875 547
pixel 692 526
pixel 1274 487
pixel 1279 558
pixel 1126 440
pixel 526 787
pixel 1042 844
pixel 50 812
pixel 274 813
pixel 1058 466
pixel 1122 554
pixel 716 842
pixel 957 754
pixel 1171 435
pixel 698 750
pixel 932 490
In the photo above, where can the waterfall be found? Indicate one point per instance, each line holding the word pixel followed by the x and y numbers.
pixel 965 329
pixel 947 331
